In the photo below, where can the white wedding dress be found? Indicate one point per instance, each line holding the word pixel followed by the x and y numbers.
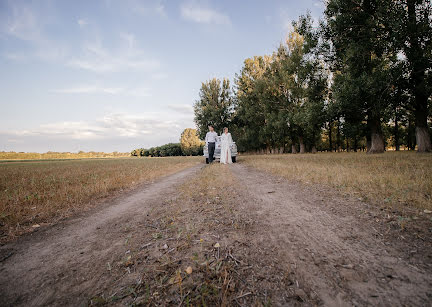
pixel 226 141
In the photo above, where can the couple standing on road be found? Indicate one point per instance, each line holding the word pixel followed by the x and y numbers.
pixel 226 141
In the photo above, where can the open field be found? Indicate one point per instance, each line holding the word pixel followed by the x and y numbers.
pixel 219 235
pixel 59 155
pixel 37 192
pixel 393 179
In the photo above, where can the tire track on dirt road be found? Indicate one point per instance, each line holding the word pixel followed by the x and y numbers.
pixel 63 264
pixel 336 255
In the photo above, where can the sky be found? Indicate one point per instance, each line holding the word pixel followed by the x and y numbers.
pixel 115 75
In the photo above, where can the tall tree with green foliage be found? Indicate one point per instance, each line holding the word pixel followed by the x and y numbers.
pixel 214 107
pixel 249 108
pixel 315 76
pixel 412 30
pixel 280 98
pixel 359 32
pixel 365 74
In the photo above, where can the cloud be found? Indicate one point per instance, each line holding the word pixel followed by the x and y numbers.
pixel 89 90
pixel 149 8
pixel 138 92
pixel 319 4
pixel 98 59
pixel 109 126
pixel 15 56
pixel 159 76
pixel 196 13
pixel 130 39
pixel 96 89
pixel 22 21
pixel 82 22
pixel 140 7
pixel 112 131
pixel 73 130
pixel 182 108
pixel 135 125
pixel 25 22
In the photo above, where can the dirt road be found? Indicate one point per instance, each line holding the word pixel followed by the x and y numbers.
pixel 63 264
pixel 221 235
pixel 337 250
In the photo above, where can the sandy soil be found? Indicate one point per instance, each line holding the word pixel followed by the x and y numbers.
pixel 260 240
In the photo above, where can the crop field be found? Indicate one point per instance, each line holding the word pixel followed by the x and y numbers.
pixel 37 192
pixel 393 179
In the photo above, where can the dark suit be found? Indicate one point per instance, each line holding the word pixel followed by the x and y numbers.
pixel 211 150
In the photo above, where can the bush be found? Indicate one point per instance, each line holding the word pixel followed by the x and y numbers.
pixel 167 150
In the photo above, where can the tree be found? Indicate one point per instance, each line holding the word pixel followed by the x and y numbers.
pixel 280 98
pixel 315 77
pixel 190 142
pixel 365 74
pixel 359 32
pixel 249 114
pixel 214 107
pixel 412 30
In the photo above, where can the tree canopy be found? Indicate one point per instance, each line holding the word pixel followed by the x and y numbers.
pixel 362 79
pixel 214 107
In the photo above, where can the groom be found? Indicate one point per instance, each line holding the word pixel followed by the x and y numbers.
pixel 210 140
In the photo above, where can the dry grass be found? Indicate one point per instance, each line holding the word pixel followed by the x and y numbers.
pixel 37 192
pixel 186 227
pixel 394 179
pixel 11 155
pixel 197 253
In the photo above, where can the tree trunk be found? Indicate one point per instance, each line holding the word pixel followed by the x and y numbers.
pixel 421 131
pixel 396 131
pixel 377 139
pixel 338 137
pixel 293 149
pixel 355 143
pixel 368 138
pixel 411 137
pixel 314 150
pixel 281 150
pixel 330 137
pixel 302 145
pixel 423 139
pixel 418 81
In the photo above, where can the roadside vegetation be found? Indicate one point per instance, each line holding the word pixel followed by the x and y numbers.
pixel 394 179
pixel 190 145
pixel 34 193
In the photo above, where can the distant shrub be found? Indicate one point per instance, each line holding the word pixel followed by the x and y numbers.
pixel 167 150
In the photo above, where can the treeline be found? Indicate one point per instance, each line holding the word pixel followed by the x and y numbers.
pixel 362 79
pixel 167 150
pixel 190 145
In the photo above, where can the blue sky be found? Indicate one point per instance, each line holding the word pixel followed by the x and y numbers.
pixel 115 75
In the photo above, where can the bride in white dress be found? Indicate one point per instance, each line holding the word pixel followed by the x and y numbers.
pixel 226 141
